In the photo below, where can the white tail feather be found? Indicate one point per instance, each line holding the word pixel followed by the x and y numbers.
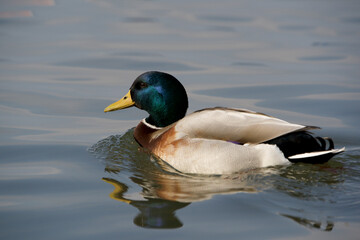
pixel 316 154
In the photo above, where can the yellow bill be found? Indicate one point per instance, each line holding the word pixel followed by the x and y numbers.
pixel 125 102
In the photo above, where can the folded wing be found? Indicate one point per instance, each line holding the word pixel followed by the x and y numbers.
pixel 235 125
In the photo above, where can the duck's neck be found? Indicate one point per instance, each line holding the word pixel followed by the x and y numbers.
pixel 165 117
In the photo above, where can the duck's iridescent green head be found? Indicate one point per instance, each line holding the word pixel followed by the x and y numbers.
pixel 158 93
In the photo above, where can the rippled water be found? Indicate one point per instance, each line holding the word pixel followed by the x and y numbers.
pixel 69 171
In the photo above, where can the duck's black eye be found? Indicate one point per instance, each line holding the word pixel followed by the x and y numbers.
pixel 141 85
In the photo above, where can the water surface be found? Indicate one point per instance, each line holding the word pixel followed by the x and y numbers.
pixel 69 171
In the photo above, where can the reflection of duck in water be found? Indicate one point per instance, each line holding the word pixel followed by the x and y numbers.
pixel 163 193
pixel 162 196
pixel 323 226
pixel 215 140
pixel 154 213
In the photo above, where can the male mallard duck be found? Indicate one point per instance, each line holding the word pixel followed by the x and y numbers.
pixel 215 140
